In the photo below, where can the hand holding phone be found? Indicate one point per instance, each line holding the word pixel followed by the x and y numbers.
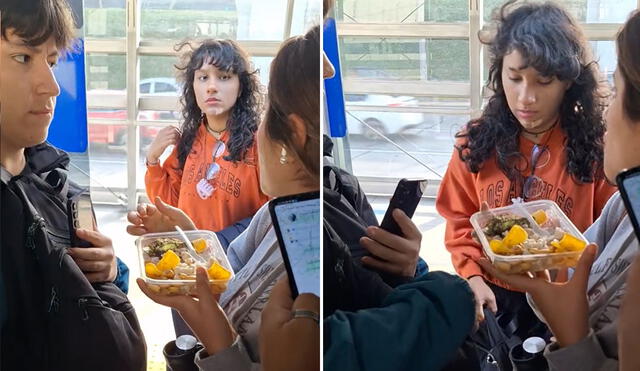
pixel 296 220
pixel 406 198
pixel 81 216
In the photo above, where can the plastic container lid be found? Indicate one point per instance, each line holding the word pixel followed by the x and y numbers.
pixel 216 251
pixel 186 342
pixel 514 263
pixel 534 345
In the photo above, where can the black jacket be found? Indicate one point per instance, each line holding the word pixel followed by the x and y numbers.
pixel 55 318
pixel 346 215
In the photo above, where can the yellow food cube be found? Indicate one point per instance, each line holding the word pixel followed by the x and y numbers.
pixel 540 217
pixel 217 272
pixel 199 245
pixel 495 245
pixel 515 236
pixel 499 248
pixel 169 261
pixel 152 271
pixel 571 243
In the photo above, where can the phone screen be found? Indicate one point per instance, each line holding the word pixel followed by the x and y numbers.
pixel 298 222
pixel 630 189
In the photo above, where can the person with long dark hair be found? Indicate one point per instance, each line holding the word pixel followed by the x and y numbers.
pixel 212 173
pixel 594 316
pixel 289 147
pixel 540 136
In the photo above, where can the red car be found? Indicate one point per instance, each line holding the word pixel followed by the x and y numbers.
pixel 116 134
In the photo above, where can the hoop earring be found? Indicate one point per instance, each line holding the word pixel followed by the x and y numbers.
pixel 283 156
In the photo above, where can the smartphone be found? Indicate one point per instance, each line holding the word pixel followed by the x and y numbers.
pixel 296 220
pixel 629 187
pixel 406 198
pixel 81 215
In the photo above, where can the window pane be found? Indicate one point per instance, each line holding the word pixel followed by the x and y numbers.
pixel 227 19
pixel 107 148
pixel 402 11
pixel 79 169
pixel 105 18
pixel 586 11
pixel 427 137
pixel 106 72
pixel 306 13
pixel 605 52
pixel 263 65
pixel 405 59
pixel 157 70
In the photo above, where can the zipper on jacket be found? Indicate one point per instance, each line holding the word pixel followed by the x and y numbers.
pixel 88 301
pixel 54 302
pixel 96 302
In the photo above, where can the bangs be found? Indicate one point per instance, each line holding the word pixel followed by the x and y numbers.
pixel 35 22
pixel 548 39
pixel 554 59
pixel 221 55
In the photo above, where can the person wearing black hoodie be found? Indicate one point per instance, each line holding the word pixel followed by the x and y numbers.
pixel 56 300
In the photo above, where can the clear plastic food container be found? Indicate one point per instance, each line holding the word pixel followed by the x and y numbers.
pixel 550 240
pixel 159 270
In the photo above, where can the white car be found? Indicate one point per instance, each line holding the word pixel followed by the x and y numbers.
pixel 384 122
pixel 159 86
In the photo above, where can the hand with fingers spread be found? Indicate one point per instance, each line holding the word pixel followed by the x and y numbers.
pixel 160 217
pixel 392 253
pixel 166 137
pixel 281 331
pixel 98 263
pixel 629 321
pixel 202 313
pixel 563 305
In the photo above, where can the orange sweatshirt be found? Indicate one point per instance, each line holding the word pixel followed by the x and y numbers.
pixel 232 195
pixel 462 192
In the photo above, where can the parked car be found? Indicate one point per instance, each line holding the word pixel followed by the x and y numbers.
pixel 159 86
pixel 384 122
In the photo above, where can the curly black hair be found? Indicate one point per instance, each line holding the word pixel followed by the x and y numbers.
pixel 226 55
pixel 551 42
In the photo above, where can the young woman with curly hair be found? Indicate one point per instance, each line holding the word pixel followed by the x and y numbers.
pixel 212 173
pixel 540 136
pixel 594 316
pixel 289 144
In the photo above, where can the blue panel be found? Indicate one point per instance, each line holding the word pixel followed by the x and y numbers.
pixel 68 129
pixel 333 86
